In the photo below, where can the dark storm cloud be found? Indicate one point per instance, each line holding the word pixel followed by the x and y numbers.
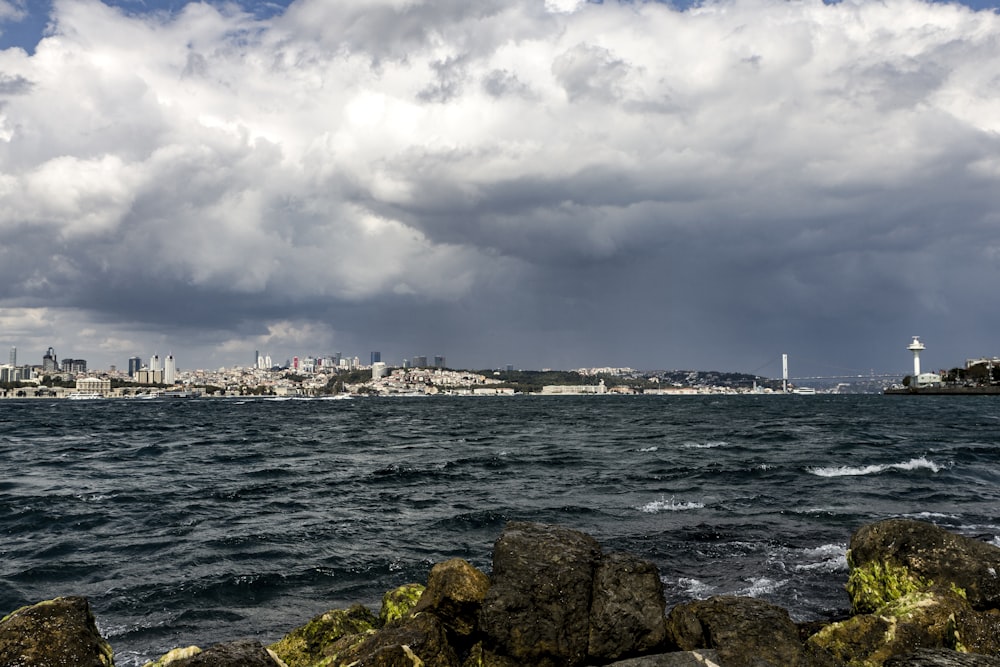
pixel 544 184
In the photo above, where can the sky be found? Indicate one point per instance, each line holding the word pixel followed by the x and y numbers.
pixel 540 183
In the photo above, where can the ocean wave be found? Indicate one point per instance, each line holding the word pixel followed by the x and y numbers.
pixel 761 586
pixel 648 449
pixel 671 505
pixel 696 588
pixel 712 444
pixel 921 463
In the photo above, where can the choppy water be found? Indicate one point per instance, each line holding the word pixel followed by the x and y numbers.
pixel 196 521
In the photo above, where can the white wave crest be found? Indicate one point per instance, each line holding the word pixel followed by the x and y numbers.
pixel 649 449
pixel 664 505
pixel 921 463
pixel 761 586
pixel 706 445
pixel 695 588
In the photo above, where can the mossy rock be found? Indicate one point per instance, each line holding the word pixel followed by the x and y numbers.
pixel 877 583
pixel 920 619
pixel 173 656
pixel 55 632
pixel 399 602
pixel 317 643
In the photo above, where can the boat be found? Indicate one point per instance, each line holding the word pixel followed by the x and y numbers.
pixel 84 396
pixel 808 391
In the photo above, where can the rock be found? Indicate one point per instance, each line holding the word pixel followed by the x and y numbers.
pixel 325 635
pixel 537 610
pixel 398 602
pixel 239 653
pixel 416 641
pixel 628 610
pixel 979 631
pixel 54 633
pixel 942 658
pixel 173 656
pixel 455 593
pixel 676 659
pixel 924 619
pixel 745 631
pixel 933 554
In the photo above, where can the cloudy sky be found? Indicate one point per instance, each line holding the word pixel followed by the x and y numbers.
pixel 543 183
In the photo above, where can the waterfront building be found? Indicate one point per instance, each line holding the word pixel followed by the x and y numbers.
pixel 100 386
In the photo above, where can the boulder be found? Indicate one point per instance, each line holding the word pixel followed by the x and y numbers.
pixel 415 641
pixel 325 635
pixel 628 610
pixel 923 619
pixel 942 658
pixel 56 632
pixel 932 554
pixel 455 594
pixel 745 631
pixel 676 659
pixel 239 653
pixel 537 610
pixel 398 602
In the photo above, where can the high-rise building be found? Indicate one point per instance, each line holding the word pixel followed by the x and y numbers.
pixel 154 363
pixel 376 357
pixel 257 361
pixel 439 362
pixel 169 370
pixel 418 362
pixel 134 366
pixel 74 365
pixel 13 356
pixel 50 363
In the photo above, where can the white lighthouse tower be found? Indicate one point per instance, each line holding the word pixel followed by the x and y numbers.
pixel 916 347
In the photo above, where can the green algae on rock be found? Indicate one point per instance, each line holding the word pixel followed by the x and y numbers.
pixel 398 602
pixel 877 583
pixel 61 631
pixel 317 643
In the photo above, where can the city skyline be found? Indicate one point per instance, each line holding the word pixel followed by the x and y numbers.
pixel 554 184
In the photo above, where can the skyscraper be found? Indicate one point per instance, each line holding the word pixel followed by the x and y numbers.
pixel 376 357
pixel 49 362
pixel 169 370
pixel 134 365
pixel 13 356
pixel 154 363
pixel 439 362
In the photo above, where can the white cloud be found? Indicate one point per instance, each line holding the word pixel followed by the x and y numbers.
pixel 349 152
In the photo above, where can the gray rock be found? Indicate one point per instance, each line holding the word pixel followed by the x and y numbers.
pixel 705 658
pixel 239 653
pixel 416 640
pixel 942 658
pixel 745 631
pixel 455 593
pixel 537 610
pixel 56 633
pixel 628 610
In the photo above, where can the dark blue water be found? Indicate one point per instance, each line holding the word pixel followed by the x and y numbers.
pixel 196 521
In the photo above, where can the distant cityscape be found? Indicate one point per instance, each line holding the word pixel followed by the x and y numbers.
pixel 337 375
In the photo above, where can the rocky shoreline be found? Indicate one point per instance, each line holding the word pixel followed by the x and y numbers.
pixel 921 597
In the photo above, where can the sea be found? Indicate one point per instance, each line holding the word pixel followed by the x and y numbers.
pixel 194 521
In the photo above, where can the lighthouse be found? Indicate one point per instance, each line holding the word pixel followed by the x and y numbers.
pixel 916 346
